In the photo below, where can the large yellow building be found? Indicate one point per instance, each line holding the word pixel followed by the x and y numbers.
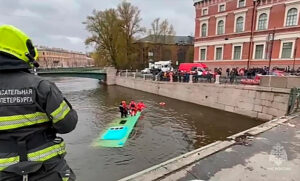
pixel 56 57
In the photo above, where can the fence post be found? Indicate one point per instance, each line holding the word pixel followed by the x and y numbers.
pixel 126 73
pixel 144 77
pixel 134 75
pixel 191 79
pixel 171 77
pixel 217 79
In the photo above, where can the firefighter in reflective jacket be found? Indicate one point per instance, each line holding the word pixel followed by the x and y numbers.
pixel 32 111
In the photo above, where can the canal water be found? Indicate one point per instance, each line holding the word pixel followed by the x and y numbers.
pixel 161 133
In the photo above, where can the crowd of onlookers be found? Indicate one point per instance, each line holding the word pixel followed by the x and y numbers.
pixel 229 73
pixel 254 71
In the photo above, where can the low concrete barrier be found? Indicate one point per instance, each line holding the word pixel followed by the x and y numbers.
pixel 280 82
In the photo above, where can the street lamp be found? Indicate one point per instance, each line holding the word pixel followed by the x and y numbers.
pixel 150 55
pixel 255 3
pixel 295 53
pixel 271 42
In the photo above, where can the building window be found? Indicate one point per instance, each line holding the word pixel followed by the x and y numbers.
pixel 239 24
pixel 204 30
pixel 204 12
pixel 262 21
pixel 287 50
pixel 242 3
pixel 219 53
pixel 237 52
pixel 220 30
pixel 291 19
pixel 222 7
pixel 259 51
pixel 202 54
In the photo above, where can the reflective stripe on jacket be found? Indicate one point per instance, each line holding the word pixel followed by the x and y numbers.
pixel 39 156
pixel 61 112
pixel 18 121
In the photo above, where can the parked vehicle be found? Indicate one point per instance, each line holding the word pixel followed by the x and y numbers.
pixel 254 81
pixel 160 66
pixel 188 67
pixel 198 69
pixel 278 73
pixel 146 71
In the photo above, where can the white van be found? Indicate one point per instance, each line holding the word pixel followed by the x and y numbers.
pixel 164 66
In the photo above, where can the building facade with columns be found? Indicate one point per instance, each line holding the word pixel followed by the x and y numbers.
pixel 247 33
pixel 57 58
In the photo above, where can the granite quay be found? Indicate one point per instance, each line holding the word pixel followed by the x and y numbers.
pixel 259 102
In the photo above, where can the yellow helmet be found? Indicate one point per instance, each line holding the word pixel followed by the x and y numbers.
pixel 16 43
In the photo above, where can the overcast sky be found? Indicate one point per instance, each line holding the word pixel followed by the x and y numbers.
pixel 58 23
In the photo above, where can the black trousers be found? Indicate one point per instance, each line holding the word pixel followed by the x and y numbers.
pixel 124 114
pixel 55 169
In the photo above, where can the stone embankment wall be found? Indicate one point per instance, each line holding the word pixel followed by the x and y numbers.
pixel 255 101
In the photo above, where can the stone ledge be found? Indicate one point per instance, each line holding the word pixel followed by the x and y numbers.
pixel 177 163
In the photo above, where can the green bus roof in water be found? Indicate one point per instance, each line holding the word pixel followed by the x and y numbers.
pixel 117 132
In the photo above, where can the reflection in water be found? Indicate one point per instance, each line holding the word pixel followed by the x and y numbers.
pixel 160 134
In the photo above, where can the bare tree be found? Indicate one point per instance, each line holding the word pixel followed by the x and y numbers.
pixel 129 16
pixel 105 28
pixel 161 32
pixel 167 31
pixel 154 32
pixel 113 31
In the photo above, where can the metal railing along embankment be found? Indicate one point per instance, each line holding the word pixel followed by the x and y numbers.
pixel 198 79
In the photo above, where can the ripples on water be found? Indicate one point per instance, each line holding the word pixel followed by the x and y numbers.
pixel 160 134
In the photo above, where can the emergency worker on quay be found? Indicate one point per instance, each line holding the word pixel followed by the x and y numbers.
pixel 32 112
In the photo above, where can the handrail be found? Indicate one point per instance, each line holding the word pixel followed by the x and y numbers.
pixel 159 77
